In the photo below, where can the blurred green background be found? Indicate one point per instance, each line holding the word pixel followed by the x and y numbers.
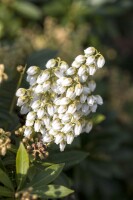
pixel 65 28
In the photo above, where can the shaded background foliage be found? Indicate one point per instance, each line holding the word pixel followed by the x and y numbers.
pixel 65 28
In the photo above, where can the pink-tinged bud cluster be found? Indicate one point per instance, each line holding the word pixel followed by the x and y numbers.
pixel 60 97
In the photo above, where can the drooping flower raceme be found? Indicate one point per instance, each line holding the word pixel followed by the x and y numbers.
pixel 60 98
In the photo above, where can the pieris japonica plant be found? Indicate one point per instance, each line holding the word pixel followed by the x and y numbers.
pixel 60 99
pixel 56 108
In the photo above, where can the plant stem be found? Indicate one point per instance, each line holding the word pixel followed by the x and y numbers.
pixel 18 85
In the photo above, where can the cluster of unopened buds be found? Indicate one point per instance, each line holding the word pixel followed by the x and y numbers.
pixel 60 98
pixel 5 142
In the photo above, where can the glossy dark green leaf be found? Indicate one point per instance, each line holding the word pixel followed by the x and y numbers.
pixel 70 158
pixel 53 191
pixel 5 180
pixel 39 58
pixel 5 192
pixel 46 176
pixel 22 165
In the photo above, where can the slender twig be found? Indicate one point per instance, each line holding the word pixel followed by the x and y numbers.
pixel 18 85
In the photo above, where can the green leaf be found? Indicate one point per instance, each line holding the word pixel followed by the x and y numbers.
pixel 27 9
pixel 70 158
pixel 5 180
pixel 5 192
pixel 53 191
pixel 22 165
pixel 46 176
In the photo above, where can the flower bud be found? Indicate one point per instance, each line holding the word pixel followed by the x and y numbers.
pixel 92 85
pixel 90 60
pixel 40 113
pixel 64 101
pixel 58 73
pixel 39 89
pixel 89 51
pixel 64 81
pixel 93 108
pixel 83 78
pixel 50 110
pixel 56 124
pixel 100 61
pixel 29 122
pixel 62 109
pixel 70 138
pixel 58 138
pixel 22 100
pixel 86 90
pixel 99 99
pixel 83 98
pixel 85 108
pixel 44 76
pixel 72 108
pixel 77 129
pixel 90 100
pixel 51 63
pixel 20 92
pixel 36 104
pixel 75 64
pixel 64 66
pixel 78 89
pixel 80 59
pixel 67 128
pixel 71 93
pixel 66 117
pixel 33 70
pixel 31 116
pixel 91 70
pixel 62 146
pixel 82 70
pixel 25 109
pixel 46 85
pixel 71 71
pixel 37 125
pixel 46 121
pixel 47 139
pixel 28 131
pixel 88 127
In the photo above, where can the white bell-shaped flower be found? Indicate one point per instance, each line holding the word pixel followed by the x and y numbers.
pixel 33 70
pixel 28 131
pixel 77 128
pixel 51 63
pixel 89 51
pixel 100 61
pixel 80 59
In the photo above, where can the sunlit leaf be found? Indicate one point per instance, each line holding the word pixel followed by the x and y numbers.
pixel 22 165
pixel 53 191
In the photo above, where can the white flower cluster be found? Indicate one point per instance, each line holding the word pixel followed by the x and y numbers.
pixel 60 98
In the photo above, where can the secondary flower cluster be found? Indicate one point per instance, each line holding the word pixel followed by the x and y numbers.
pixel 5 142
pixel 60 98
